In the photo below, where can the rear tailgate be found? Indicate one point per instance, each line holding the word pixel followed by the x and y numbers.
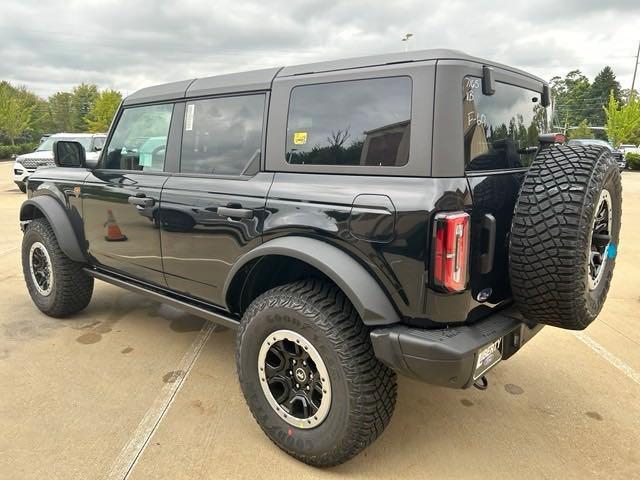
pixel 499 132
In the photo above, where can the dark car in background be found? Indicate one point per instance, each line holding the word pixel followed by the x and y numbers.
pixel 617 154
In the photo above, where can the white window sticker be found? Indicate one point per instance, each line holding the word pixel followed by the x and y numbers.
pixel 188 121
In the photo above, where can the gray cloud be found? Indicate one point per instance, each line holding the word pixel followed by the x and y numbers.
pixel 51 46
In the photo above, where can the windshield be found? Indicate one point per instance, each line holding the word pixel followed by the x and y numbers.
pixel 47 145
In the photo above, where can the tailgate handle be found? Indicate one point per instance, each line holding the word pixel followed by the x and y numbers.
pixel 486 257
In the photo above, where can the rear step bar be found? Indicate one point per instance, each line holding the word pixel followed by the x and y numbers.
pixel 200 309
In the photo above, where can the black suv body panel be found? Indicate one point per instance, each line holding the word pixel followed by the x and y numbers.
pixel 334 208
pixel 200 246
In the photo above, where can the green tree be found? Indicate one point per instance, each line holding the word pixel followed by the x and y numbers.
pixel 623 121
pixel 570 94
pixel 84 97
pixel 603 85
pixel 103 110
pixel 16 111
pixel 61 111
pixel 583 130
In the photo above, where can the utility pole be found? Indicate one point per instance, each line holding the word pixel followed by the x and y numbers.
pixel 635 70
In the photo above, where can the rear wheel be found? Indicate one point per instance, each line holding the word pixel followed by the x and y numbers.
pixel 564 235
pixel 58 286
pixel 309 375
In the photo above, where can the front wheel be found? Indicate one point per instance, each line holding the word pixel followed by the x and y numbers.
pixel 58 286
pixel 309 375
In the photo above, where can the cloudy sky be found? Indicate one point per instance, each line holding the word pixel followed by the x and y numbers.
pixel 50 46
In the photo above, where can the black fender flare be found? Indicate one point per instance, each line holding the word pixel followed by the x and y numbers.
pixel 364 292
pixel 58 218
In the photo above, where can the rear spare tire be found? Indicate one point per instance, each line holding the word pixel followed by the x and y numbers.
pixel 564 235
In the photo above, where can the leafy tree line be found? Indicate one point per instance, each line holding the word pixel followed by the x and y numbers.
pixel 582 104
pixel 25 117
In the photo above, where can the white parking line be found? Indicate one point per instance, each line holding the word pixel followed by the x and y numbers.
pixel 128 457
pixel 608 356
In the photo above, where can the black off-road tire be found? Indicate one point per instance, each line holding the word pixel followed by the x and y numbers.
pixel 71 287
pixel 363 390
pixel 551 235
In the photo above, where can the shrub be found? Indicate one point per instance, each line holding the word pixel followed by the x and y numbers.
pixel 633 160
pixel 7 150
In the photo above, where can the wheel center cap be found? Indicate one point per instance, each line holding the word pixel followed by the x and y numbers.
pixel 301 375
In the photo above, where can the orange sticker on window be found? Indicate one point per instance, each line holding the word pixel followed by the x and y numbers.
pixel 299 138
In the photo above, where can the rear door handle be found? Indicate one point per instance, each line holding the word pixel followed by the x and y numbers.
pixel 486 257
pixel 233 212
pixel 142 201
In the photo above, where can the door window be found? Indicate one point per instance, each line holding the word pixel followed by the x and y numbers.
pixel 139 141
pixel 358 122
pixel 223 136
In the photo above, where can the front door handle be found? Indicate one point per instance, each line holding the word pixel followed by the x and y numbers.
pixel 142 201
pixel 232 212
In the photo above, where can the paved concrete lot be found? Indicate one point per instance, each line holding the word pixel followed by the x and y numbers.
pixel 132 387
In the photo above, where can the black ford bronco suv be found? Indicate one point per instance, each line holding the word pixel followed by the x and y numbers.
pixel 351 219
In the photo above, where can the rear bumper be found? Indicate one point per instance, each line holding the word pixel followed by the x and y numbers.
pixel 449 356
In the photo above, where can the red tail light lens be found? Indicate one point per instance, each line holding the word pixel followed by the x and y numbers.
pixel 560 138
pixel 451 251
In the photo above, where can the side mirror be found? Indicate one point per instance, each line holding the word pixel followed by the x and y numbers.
pixel 69 154
pixel 14 156
pixel 97 148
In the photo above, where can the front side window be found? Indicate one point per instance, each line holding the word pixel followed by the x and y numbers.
pixel 139 141
pixel 359 122
pixel 500 130
pixel 223 136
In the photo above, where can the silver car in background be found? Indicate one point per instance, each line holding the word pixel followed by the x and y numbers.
pixel 42 157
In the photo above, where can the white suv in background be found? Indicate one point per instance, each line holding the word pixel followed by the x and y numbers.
pixel 42 157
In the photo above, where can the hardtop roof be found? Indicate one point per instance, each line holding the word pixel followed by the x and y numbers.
pixel 257 80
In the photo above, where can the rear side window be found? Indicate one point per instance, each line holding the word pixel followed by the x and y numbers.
pixel 500 130
pixel 223 136
pixel 359 122
pixel 139 141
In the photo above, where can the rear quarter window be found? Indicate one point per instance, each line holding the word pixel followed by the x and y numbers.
pixel 500 130
pixel 357 122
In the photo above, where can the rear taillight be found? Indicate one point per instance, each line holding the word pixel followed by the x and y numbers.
pixel 451 251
